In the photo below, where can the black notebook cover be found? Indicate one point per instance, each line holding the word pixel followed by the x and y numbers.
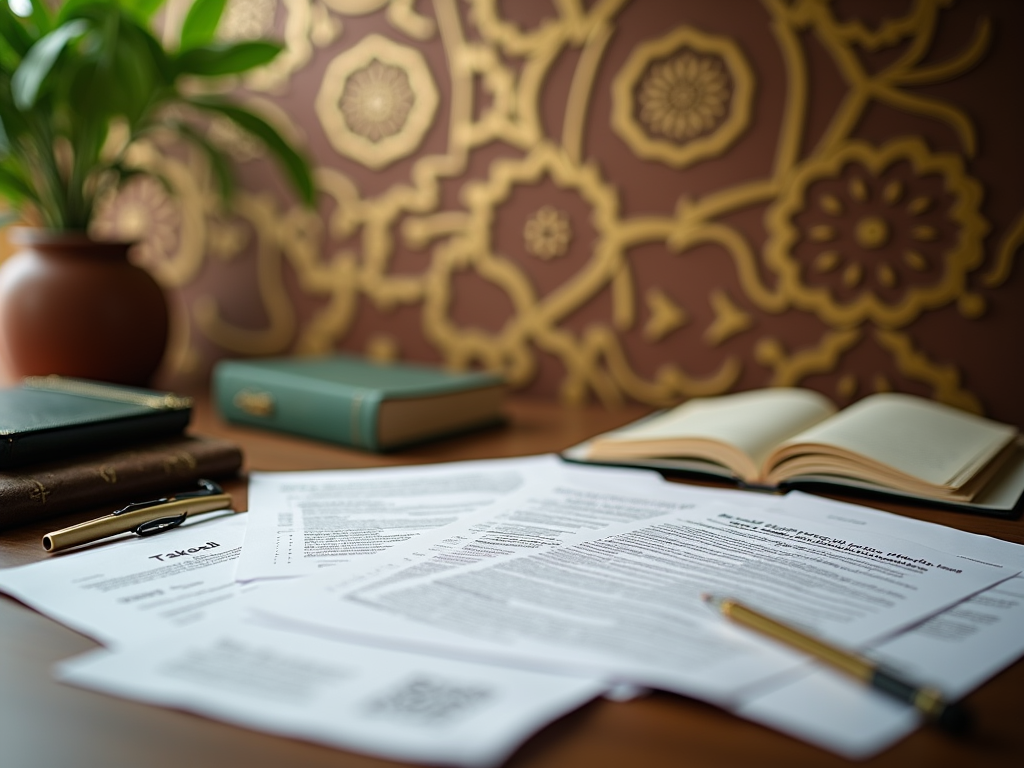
pixel 51 417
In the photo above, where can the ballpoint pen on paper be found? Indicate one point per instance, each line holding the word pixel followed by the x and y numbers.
pixel 949 716
pixel 142 518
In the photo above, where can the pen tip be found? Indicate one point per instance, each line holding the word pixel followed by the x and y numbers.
pixel 955 719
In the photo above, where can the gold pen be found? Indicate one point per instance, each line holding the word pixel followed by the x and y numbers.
pixel 143 518
pixel 929 701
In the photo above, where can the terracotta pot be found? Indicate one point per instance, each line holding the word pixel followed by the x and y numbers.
pixel 76 307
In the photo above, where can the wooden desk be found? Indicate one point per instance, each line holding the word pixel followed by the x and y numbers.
pixel 45 724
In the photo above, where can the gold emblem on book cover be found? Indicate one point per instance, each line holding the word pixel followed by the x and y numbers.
pixel 255 403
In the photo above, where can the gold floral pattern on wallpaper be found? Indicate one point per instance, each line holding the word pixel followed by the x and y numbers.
pixel 684 97
pixel 376 101
pixel 547 232
pixel 854 241
pixel 500 195
pixel 664 315
pixel 247 19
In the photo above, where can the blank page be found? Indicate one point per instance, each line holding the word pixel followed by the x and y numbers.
pixel 755 422
pixel 927 440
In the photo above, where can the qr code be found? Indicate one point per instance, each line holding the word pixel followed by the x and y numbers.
pixel 429 701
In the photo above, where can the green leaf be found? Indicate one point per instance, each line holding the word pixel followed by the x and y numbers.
pixel 201 23
pixel 118 69
pixel 5 140
pixel 134 75
pixel 88 138
pixel 139 11
pixel 153 51
pixel 142 10
pixel 13 32
pixel 218 163
pixel 38 62
pixel 14 188
pixel 97 10
pixel 294 164
pixel 14 123
pixel 121 33
pixel 41 17
pixel 126 173
pixel 227 58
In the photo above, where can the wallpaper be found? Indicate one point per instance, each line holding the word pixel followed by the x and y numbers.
pixel 617 201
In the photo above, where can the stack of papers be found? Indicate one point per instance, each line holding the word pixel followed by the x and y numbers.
pixel 443 614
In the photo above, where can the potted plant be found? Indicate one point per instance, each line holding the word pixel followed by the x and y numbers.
pixel 79 85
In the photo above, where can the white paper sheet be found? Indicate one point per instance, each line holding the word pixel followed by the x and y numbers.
pixel 302 522
pixel 136 587
pixel 971 546
pixel 956 650
pixel 542 515
pixel 386 703
pixel 581 572
pixel 626 600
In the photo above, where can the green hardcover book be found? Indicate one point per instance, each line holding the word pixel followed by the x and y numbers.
pixel 351 401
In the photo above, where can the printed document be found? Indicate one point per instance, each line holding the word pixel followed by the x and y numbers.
pixel 131 589
pixel 455 644
pixel 956 650
pixel 301 522
pixel 626 600
pixel 540 516
pixel 395 705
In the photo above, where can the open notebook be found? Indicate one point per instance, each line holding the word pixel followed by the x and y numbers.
pixel 894 444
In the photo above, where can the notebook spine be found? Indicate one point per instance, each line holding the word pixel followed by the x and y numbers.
pixel 113 477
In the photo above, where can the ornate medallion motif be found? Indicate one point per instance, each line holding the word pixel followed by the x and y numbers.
pixel 876 234
pixel 547 233
pixel 247 19
pixel 377 101
pixel 682 98
pixel 685 97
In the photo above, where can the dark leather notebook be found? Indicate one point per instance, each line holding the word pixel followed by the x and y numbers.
pixel 115 477
pixel 50 417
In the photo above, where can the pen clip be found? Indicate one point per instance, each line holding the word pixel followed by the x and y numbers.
pixel 151 527
pixel 209 488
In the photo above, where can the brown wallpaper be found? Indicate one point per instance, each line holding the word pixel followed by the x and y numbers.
pixel 619 200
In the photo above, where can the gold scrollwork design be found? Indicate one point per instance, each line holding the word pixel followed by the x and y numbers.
pixel 729 319
pixel 271 238
pixel 862 239
pixel 537 319
pixel 665 315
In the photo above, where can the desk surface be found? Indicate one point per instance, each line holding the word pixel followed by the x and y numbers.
pixel 45 724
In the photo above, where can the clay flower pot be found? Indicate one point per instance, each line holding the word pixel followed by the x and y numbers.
pixel 76 307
